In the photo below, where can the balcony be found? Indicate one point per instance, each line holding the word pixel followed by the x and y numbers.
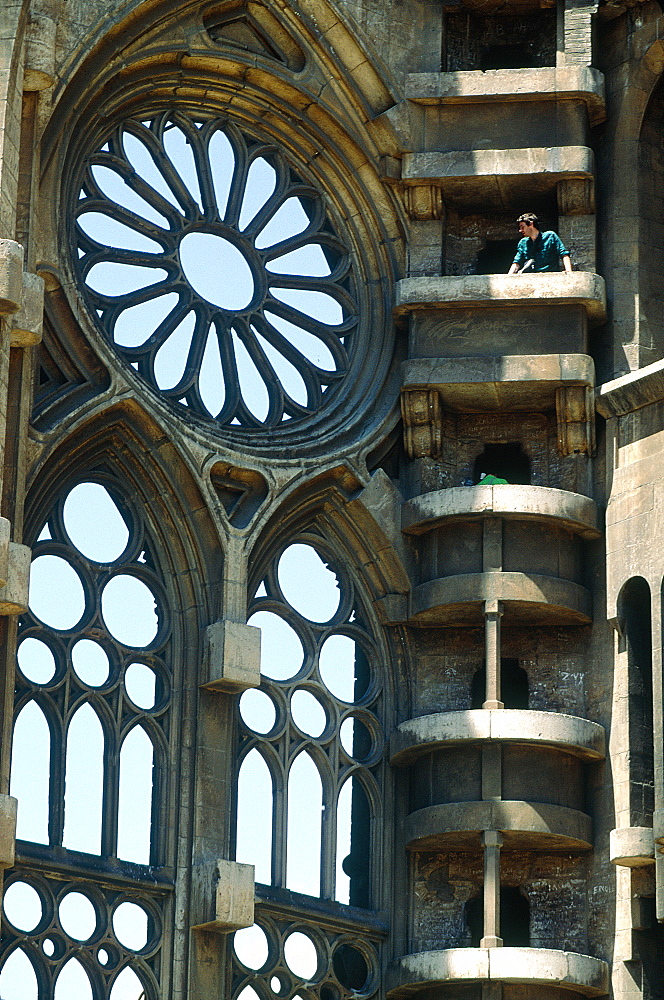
pixel 523 727
pixel 559 508
pixel 511 86
pixel 537 967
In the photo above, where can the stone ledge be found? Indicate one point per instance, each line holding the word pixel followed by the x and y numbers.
pixel 581 288
pixel 556 161
pixel 545 83
pixel 577 973
pixel 538 826
pixel 527 598
pixel 8 810
pixel 632 846
pixel 511 381
pixel 632 391
pixel 539 503
pixel 429 732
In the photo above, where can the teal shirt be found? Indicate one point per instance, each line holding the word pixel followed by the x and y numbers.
pixel 545 251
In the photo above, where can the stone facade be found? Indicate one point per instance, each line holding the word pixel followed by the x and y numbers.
pixel 504 781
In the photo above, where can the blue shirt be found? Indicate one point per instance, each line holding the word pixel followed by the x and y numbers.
pixel 545 251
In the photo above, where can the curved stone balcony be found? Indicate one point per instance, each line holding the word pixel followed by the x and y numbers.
pixel 526 382
pixel 579 514
pixel 537 967
pixel 525 826
pixel 496 176
pixel 527 598
pixel 548 83
pixel 582 289
pixel 568 733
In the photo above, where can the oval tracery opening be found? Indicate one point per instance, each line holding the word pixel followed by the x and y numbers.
pixel 217 270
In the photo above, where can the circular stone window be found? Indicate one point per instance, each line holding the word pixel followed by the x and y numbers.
pixel 215 271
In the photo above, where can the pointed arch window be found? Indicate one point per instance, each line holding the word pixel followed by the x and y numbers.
pixel 312 751
pixel 93 709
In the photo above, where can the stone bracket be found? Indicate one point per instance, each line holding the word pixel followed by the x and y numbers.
pixel 229 897
pixel 233 656
pixel 576 425
pixel 576 196
pixel 632 846
pixel 8 809
pixel 11 276
pixel 14 572
pixel 39 71
pixel 424 201
pixel 422 422
pixel 27 323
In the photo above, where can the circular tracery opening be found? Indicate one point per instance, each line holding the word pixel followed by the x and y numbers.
pixel 214 270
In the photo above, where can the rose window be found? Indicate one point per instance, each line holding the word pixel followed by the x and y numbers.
pixel 214 270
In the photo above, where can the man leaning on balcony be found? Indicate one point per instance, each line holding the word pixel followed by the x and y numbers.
pixel 538 251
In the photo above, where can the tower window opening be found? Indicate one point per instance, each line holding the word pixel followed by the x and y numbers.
pixel 507 461
pixel 513 685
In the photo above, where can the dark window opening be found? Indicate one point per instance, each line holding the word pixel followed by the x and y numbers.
pixel 634 613
pixel 514 918
pixel 506 461
pixel 496 257
pixel 507 57
pixel 649 946
pixel 513 685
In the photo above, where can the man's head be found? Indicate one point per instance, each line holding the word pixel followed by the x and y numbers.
pixel 528 224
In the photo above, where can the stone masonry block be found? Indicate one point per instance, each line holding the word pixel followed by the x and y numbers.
pixel 8 807
pixel 11 276
pixel 40 53
pixel 14 594
pixel 233 656
pixel 231 898
pixel 27 322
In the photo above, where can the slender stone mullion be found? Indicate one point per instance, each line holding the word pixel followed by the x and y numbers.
pixel 493 611
pixel 492 842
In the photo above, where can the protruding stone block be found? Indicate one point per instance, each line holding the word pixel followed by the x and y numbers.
pixel 27 323
pixel 39 73
pixel 231 898
pixel 632 846
pixel 14 593
pixel 11 276
pixel 8 807
pixel 233 656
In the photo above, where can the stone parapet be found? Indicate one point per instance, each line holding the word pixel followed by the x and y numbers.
pixel 420 736
pixel 577 513
pixel 485 291
pixel 538 826
pixel 527 598
pixel 577 83
pixel 581 974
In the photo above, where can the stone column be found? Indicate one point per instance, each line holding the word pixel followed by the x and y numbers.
pixel 493 611
pixel 492 842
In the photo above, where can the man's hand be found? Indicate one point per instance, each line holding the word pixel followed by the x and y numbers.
pixel 567 264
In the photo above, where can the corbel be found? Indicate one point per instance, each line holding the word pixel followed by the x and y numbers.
pixel 576 424
pixel 422 423
pixel 576 196
pixel 424 202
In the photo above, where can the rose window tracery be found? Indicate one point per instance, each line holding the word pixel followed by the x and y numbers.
pixel 215 271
